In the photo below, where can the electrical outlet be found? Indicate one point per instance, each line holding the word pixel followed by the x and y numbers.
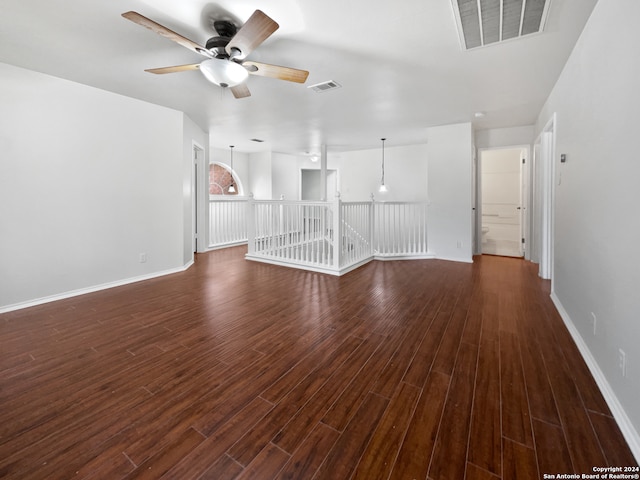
pixel 593 322
pixel 143 258
pixel 622 362
pixel 459 243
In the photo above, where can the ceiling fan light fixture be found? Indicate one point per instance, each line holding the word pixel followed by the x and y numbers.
pixel 223 73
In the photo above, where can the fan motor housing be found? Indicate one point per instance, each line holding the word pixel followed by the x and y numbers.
pixel 216 45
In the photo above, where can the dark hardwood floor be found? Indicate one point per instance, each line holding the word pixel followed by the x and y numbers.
pixel 235 369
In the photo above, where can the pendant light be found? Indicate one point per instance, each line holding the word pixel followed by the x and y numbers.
pixel 232 188
pixel 383 187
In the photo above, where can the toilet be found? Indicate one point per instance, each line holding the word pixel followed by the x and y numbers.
pixel 485 230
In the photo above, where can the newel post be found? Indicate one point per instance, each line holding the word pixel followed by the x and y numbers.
pixel 337 232
pixel 372 224
pixel 251 225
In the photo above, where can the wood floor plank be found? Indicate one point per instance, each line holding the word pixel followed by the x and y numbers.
pixel 539 392
pixel 225 468
pixel 350 399
pixel 304 421
pixel 476 473
pixel 306 460
pixel 520 462
pixel 257 438
pixel 332 355
pixel 617 451
pixel 450 450
pixel 379 457
pixel 266 465
pixel 445 358
pixel 415 454
pixel 584 448
pixel 201 458
pixel 230 368
pixel 516 418
pixel 551 449
pixel 158 465
pixel 485 441
pixel 421 363
pixel 347 451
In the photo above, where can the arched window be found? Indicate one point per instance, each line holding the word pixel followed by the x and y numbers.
pixel 221 178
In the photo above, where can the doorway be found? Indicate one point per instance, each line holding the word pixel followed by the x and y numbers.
pixel 501 201
pixel 198 203
pixel 311 186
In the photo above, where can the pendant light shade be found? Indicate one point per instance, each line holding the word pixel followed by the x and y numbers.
pixel 232 187
pixel 383 187
pixel 223 73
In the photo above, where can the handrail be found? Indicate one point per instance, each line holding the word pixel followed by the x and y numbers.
pixel 331 237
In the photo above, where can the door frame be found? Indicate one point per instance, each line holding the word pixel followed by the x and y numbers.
pixel 544 197
pixel 525 187
pixel 200 193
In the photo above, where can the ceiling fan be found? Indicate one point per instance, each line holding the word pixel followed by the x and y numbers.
pixel 225 64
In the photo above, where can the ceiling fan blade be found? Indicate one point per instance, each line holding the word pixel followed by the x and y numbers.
pixel 241 91
pixel 177 68
pixel 135 17
pixel 275 71
pixel 255 31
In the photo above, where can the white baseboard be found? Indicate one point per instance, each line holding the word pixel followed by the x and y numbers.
pixel 625 424
pixel 389 257
pixel 455 259
pixel 225 245
pixel 95 288
pixel 332 271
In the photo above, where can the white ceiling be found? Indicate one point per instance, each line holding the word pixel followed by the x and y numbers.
pixel 400 65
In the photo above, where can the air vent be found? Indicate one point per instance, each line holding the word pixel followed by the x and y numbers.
pixel 485 22
pixel 324 86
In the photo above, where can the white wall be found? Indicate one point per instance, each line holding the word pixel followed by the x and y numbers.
pixel 259 183
pixel 88 181
pixel 597 226
pixel 360 172
pixel 285 176
pixel 505 137
pixel 450 151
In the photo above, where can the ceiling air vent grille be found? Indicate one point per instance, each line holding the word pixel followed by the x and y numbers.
pixel 485 22
pixel 324 86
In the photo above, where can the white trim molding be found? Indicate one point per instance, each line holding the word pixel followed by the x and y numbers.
pixel 95 288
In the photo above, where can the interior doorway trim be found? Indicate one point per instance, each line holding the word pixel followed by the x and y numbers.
pixel 544 196
pixel 525 197
pixel 199 195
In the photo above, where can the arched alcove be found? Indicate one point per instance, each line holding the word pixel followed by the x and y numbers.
pixel 221 178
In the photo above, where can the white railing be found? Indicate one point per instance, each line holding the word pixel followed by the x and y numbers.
pixel 292 232
pixel 335 237
pixel 227 221
pixel 400 229
pixel 332 237
pixel 356 232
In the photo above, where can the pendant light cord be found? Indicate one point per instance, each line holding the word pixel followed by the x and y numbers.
pixel 382 182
